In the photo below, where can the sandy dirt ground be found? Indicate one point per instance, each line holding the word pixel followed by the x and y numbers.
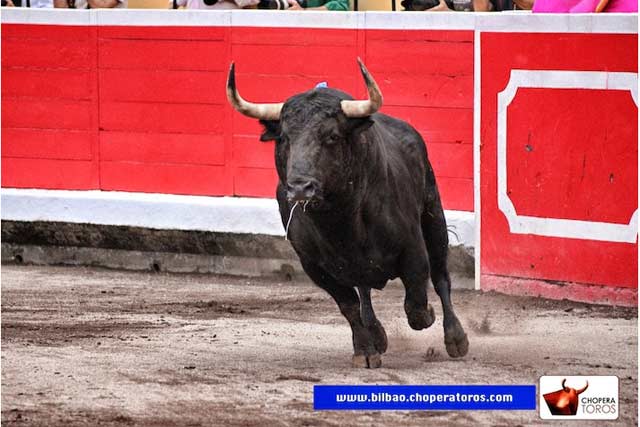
pixel 86 347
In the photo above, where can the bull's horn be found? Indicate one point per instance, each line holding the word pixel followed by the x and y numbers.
pixel 256 111
pixel 563 387
pixel 583 388
pixel 364 108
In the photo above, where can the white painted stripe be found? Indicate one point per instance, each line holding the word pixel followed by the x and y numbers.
pixel 22 15
pixel 161 17
pixel 158 211
pixel 559 227
pixel 477 206
pixel 296 19
pixel 495 22
pixel 168 211
pixel 419 21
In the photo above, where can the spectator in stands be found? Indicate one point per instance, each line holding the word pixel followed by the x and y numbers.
pixel 435 5
pixel 90 4
pixel 318 5
pixel 500 5
pixel 7 3
pixel 40 4
pixel 586 6
pixel 467 5
pixel 213 4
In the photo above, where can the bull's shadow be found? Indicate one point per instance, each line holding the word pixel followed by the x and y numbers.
pixel 359 202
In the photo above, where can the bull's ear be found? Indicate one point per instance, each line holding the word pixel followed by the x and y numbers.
pixel 357 126
pixel 271 130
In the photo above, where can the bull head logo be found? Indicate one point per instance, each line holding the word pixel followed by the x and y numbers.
pixel 565 401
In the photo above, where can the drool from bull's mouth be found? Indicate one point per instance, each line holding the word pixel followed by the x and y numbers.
pixel 286 234
pixel 387 222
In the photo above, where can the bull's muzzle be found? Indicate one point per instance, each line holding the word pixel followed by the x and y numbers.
pixel 301 190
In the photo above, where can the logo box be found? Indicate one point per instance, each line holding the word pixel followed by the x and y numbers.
pixel 579 397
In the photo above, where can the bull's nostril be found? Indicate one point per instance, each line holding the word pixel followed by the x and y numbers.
pixel 300 190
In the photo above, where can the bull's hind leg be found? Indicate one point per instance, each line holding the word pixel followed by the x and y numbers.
pixel 370 321
pixel 365 353
pixel 434 228
pixel 415 276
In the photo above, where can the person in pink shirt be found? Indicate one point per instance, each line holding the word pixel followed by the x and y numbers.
pixel 213 4
pixel 585 6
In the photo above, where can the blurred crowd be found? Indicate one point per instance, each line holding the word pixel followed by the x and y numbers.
pixel 544 6
pixel 67 4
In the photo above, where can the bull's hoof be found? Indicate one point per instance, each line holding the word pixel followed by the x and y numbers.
pixel 379 338
pixel 421 318
pixel 361 361
pixel 456 342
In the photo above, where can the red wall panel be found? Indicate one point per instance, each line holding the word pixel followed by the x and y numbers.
pixel 43 113
pixel 152 54
pixel 163 178
pixel 249 152
pixel 162 148
pixel 48 83
pixel 144 108
pixel 170 86
pixel 49 107
pixel 162 117
pixel 596 154
pixel 574 159
pixel 162 97
pixel 49 173
pixel 255 182
pixel 46 53
pixel 59 144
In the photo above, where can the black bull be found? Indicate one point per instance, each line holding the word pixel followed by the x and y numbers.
pixel 368 208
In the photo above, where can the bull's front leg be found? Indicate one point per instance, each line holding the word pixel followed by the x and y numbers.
pixel 370 320
pixel 365 354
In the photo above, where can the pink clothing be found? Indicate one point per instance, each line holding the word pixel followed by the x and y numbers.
pixel 222 4
pixel 583 6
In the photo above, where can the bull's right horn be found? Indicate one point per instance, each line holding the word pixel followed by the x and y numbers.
pixel 583 388
pixel 256 111
pixel 563 387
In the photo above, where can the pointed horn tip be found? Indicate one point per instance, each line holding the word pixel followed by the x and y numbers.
pixel 363 68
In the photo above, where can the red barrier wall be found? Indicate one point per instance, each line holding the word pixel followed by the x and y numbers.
pixel 542 108
pixel 143 109
pixel 567 208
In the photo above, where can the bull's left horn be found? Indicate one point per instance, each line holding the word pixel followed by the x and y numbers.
pixel 256 111
pixel 583 388
pixel 364 108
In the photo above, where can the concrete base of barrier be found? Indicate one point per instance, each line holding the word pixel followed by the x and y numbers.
pixel 182 234
pixel 174 251
pixel 152 261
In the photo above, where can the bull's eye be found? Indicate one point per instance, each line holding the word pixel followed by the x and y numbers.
pixel 333 138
